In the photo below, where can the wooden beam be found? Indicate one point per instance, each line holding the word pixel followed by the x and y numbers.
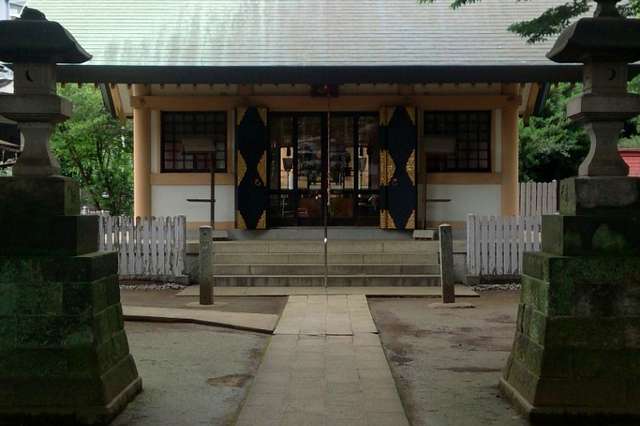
pixel 307 103
pixel 117 102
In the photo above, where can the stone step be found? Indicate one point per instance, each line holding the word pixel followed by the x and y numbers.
pixel 333 280
pixel 318 258
pixel 316 247
pixel 318 269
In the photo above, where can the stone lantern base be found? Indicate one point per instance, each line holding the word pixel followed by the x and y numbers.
pixel 64 355
pixel 576 353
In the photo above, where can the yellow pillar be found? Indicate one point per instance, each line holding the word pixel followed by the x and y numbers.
pixel 509 193
pixel 141 157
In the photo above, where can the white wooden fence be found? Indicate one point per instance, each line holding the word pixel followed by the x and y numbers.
pixel 537 198
pixel 495 244
pixel 147 247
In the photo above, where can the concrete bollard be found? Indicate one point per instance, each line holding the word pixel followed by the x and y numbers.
pixel 446 264
pixel 205 261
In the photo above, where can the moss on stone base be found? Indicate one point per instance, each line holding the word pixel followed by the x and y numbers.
pixel 64 354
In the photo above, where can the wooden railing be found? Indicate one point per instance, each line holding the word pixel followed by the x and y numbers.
pixel 495 244
pixel 149 248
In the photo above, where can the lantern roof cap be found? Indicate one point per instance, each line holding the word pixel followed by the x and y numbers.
pixel 607 37
pixel 34 39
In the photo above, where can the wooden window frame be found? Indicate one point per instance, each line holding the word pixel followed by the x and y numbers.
pixel 217 118
pixel 465 136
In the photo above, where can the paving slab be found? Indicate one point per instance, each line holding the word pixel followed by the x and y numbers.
pixel 264 323
pixel 338 315
pixel 461 291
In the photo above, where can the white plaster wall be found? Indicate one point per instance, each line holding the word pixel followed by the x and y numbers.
pixel 171 200
pixel 465 199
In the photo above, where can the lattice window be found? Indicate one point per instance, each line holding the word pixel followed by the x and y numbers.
pixel 177 125
pixel 472 133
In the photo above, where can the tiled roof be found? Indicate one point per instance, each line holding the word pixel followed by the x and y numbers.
pixel 218 33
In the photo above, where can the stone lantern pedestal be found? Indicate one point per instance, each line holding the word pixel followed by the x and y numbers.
pixel 64 355
pixel 576 353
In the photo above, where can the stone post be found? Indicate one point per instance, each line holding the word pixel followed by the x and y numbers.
pixel 205 261
pixel 64 355
pixel 446 264
pixel 576 350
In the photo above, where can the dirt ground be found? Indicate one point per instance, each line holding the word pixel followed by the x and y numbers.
pixel 191 374
pixel 447 362
pixel 168 299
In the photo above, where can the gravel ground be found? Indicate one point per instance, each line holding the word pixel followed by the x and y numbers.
pixel 496 287
pixel 191 374
pixel 447 362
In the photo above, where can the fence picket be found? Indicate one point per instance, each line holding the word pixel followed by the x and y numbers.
pixel 101 233
pixel 492 243
pixel 109 236
pixel 484 246
pixel 130 246
pixel 500 227
pixel 153 262
pixel 162 245
pixel 537 233
pixel 122 257
pixel 514 244
pixel 169 240
pixel 181 249
pixel 471 255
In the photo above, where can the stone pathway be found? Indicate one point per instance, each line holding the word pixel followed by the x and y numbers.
pixel 461 291
pixel 324 366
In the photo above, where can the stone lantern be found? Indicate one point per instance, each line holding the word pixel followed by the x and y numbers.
pixel 605 44
pixel 576 353
pixel 34 46
pixel 64 355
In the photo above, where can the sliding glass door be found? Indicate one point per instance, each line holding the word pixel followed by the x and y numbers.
pixel 303 166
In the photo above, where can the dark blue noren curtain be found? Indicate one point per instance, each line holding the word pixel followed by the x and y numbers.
pixel 251 168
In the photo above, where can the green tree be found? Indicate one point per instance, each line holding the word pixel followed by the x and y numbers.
pixel 632 138
pixel 96 150
pixel 552 147
pixel 553 20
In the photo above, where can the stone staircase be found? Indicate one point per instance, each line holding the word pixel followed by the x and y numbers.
pixel 350 263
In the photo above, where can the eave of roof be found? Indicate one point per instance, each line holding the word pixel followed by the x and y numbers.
pixel 320 74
